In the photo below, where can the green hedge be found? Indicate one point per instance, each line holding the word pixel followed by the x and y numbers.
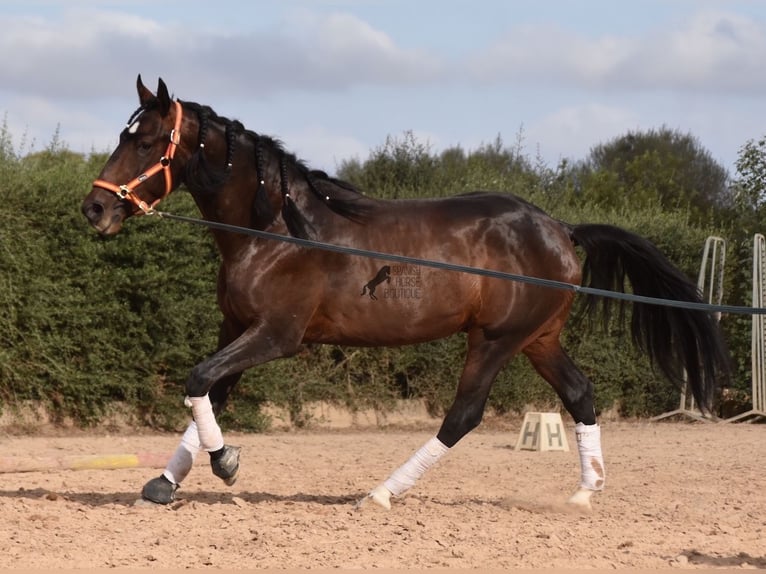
pixel 87 323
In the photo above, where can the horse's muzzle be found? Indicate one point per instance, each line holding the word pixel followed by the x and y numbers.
pixel 107 220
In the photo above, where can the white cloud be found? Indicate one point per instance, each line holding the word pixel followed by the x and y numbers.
pixel 334 80
pixel 548 54
pixel 712 52
pixel 570 132
pixel 350 50
pixel 88 53
pixel 34 121
pixel 82 55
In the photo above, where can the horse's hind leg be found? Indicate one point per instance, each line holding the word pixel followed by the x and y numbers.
pixel 484 361
pixel 576 393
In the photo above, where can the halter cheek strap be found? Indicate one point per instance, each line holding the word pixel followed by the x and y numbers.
pixel 127 191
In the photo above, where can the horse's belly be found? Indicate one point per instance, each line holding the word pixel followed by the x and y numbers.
pixel 388 325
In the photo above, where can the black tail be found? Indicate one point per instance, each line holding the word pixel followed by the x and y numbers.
pixel 686 344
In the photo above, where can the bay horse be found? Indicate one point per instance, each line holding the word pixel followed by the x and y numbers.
pixel 239 177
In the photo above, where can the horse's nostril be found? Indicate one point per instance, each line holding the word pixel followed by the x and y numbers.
pixel 93 211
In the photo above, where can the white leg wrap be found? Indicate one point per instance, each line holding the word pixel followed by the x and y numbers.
pixel 210 436
pixel 591 459
pixel 180 464
pixel 404 477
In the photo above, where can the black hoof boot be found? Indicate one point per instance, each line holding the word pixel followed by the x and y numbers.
pixel 159 490
pixel 225 463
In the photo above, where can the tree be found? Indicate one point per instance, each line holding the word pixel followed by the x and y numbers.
pixel 399 168
pixel 657 165
pixel 750 185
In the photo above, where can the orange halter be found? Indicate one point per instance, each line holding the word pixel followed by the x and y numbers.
pixel 127 191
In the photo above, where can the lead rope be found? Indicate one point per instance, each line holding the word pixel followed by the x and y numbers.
pixel 551 283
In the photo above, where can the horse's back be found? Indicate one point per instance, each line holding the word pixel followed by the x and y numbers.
pixel 490 230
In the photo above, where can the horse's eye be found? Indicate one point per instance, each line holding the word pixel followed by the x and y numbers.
pixel 144 146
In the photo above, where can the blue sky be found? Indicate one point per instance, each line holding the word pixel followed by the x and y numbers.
pixel 334 79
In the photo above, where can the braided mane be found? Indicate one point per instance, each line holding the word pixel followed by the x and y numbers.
pixel 202 178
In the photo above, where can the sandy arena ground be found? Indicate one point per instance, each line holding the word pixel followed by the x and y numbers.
pixel 679 496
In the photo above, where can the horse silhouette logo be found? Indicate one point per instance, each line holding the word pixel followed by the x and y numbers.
pixel 384 274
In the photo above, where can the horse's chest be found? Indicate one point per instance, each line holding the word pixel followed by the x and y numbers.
pixel 242 290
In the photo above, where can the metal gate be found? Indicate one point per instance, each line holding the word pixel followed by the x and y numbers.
pixel 758 336
pixel 710 284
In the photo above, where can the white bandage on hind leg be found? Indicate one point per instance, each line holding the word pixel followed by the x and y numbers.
pixel 404 477
pixel 591 459
pixel 180 464
pixel 210 436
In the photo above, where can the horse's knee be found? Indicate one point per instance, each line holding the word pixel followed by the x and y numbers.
pixel 196 384
pixel 459 423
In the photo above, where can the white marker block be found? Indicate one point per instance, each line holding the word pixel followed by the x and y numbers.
pixel 542 431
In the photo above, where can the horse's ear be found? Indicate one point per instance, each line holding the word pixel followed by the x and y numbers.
pixel 164 98
pixel 144 95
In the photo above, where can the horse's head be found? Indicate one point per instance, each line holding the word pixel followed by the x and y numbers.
pixel 140 172
pixel 166 143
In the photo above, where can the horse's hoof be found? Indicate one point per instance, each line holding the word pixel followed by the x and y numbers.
pixel 226 466
pixel 581 499
pixel 159 490
pixel 381 496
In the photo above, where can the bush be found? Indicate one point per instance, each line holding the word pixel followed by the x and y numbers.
pixel 87 322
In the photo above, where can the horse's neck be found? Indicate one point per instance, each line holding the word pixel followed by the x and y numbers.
pixel 255 194
pixel 230 205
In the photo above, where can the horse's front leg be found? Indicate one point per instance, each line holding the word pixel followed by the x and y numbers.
pixel 258 344
pixel 206 400
pixel 162 489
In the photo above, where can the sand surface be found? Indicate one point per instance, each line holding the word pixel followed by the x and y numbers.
pixel 678 495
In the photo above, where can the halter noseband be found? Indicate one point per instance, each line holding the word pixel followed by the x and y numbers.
pixel 127 191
